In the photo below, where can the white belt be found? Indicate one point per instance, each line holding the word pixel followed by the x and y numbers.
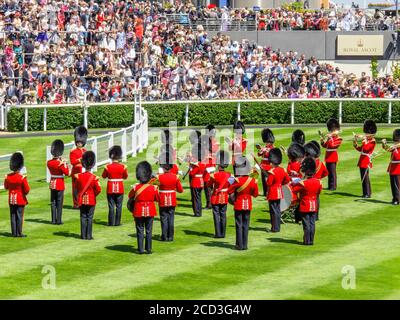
pixel 57 177
pixel 366 154
pixel 224 190
pixel 331 150
pixel 115 180
pixel 198 176
pixel 395 161
pixel 265 159
pixel 237 153
pixel 166 191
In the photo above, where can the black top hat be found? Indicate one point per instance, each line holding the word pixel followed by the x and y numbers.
pixel 312 149
pixel 239 126
pixel 143 172
pixel 370 127
pixel 295 151
pixel 16 161
pixel 115 153
pixel 299 136
pixel 333 124
pixel 308 166
pixel 57 148
pixel 80 135
pixel 88 160
pixel 222 158
pixel 275 156
pixel 267 136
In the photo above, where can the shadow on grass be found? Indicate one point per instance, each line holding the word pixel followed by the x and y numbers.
pixel 199 233
pixel 264 229
pixel 39 221
pixel 132 235
pixel 6 234
pixel 344 194
pixel 69 207
pixel 219 244
pixel 281 240
pixel 373 201
pixel 184 205
pixel 264 220
pixel 100 222
pixel 183 214
pixel 67 234
pixel 122 248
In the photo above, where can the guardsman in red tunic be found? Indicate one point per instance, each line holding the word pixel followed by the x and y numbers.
pixel 212 147
pixel 277 177
pixel 243 189
pixel 116 173
pixel 331 142
pixel 366 149
pixel 394 165
pixel 263 152
pixel 141 203
pixel 308 192
pixel 18 187
pixel 75 157
pixel 168 184
pixel 239 144
pixel 219 196
pixel 58 170
pixel 88 187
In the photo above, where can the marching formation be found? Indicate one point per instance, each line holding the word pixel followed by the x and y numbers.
pixel 292 192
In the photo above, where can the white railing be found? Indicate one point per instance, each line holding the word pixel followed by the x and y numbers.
pixel 4 167
pixel 132 140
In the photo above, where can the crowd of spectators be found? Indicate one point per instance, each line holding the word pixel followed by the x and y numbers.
pixel 60 51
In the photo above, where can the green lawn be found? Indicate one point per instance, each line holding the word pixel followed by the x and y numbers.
pixel 351 231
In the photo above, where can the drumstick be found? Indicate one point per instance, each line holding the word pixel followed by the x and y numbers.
pixel 256 161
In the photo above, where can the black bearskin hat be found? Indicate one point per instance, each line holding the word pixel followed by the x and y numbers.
pixel 165 160
pixel 275 156
pixel 143 172
pixel 194 136
pixel 239 126
pixel 223 158
pixel 242 166
pixel 308 166
pixel 332 124
pixel 370 127
pixel 16 161
pixel 312 149
pixel 210 130
pixel 80 135
pixel 115 153
pixel 396 135
pixel 166 136
pixel 299 136
pixel 88 160
pixel 267 136
pixel 57 148
pixel 295 151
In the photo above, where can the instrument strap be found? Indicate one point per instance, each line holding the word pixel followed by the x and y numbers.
pixel 245 185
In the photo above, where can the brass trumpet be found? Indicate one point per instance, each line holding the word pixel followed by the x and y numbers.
pixel 390 148
pixel 328 134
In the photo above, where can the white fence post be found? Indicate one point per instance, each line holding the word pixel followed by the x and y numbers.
pixel 134 140
pixel 123 146
pixel 26 120
pixel 5 118
pixel 2 117
pixel 111 140
pixel 238 110
pixel 45 119
pixel 187 115
pixel 390 113
pixel 292 113
pixel 340 112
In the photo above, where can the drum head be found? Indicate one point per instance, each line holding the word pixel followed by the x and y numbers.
pixel 287 198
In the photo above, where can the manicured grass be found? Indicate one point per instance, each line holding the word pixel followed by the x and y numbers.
pixel 363 233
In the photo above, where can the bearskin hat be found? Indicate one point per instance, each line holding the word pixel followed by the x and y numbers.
pixel 267 136
pixel 166 136
pixel 332 124
pixel 295 151
pixel 80 135
pixel 239 126
pixel 88 160
pixel 396 135
pixel 57 148
pixel 194 136
pixel 308 166
pixel 370 127
pixel 16 161
pixel 299 136
pixel 210 130
pixel 143 172
pixel 312 149
pixel 165 160
pixel 275 156
pixel 222 158
pixel 115 153
pixel 242 166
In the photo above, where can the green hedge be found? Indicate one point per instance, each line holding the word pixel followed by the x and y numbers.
pixel 202 114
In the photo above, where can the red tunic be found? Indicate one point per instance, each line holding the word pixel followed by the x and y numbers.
pixel 89 196
pixel 75 157
pixel 116 173
pixel 264 153
pixel 321 171
pixel 293 169
pixel 276 178
pixel 58 169
pixel 175 169
pixel 243 198
pixel 238 147
pixel 394 165
pixel 366 149
pixel 308 191
pixel 169 184
pixel 18 187
pixel 331 145
pixel 219 183
pixel 198 174
pixel 144 203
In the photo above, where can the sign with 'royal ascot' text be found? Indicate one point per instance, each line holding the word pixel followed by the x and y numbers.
pixel 360 45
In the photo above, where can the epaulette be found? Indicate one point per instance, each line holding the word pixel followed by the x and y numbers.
pixel 271 171
pixel 23 176
pixel 76 175
pixel 125 166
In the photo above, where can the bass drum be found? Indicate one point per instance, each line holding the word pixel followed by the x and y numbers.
pixel 287 199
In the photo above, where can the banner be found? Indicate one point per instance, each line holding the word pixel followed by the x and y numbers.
pixel 360 45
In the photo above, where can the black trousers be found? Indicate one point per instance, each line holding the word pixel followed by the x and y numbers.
pixel 332 178
pixel 144 224
pixel 275 214
pixel 114 208
pixel 17 219
pixel 57 201
pixel 395 186
pixel 87 213
pixel 242 222
pixel 366 184
pixel 219 213
pixel 264 178
pixel 196 201
pixel 308 219
pixel 208 191
pixel 167 223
